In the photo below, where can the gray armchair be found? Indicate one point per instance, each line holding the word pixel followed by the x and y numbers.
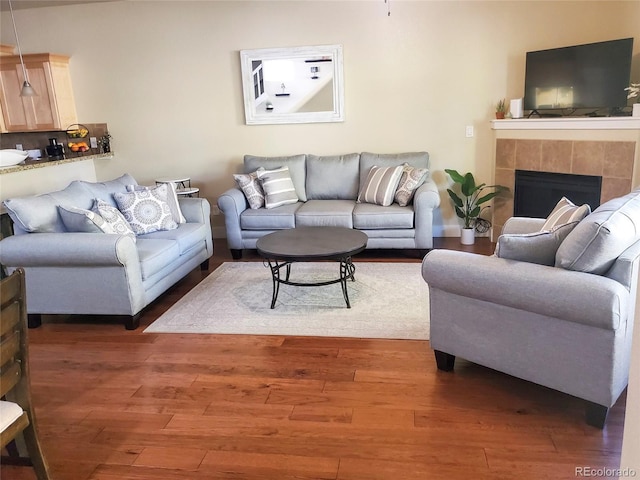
pixel 567 327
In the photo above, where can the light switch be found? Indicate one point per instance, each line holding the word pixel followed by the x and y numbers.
pixel 468 132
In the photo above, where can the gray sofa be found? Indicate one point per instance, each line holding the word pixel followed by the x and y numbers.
pixel 328 187
pixel 96 273
pixel 567 324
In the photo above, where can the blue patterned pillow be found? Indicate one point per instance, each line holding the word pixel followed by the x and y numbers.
pixel 146 210
pixel 114 218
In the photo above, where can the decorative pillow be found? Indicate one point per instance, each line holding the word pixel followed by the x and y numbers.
pixel 81 220
pixel 146 210
pixel 565 212
pixel 250 186
pixel 114 218
pixel 538 247
pixel 380 185
pixel 278 187
pixel 599 239
pixel 410 180
pixel 172 200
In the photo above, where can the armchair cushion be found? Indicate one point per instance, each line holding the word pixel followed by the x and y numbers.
pixel 601 237
pixel 536 247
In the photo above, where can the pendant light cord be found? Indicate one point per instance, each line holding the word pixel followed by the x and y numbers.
pixel 15 30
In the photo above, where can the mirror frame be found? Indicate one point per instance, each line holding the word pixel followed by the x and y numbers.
pixel 252 117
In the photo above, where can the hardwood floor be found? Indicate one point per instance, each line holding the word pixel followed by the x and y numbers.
pixel 117 404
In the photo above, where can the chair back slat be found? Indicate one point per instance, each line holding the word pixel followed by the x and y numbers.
pixel 9 349
pixel 10 378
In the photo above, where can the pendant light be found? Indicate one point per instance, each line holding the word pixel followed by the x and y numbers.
pixel 27 89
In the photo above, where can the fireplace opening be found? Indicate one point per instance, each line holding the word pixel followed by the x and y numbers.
pixel 536 193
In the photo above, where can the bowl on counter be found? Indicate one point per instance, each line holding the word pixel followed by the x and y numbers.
pixel 10 157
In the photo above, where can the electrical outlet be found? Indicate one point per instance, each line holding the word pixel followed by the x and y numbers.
pixel 93 141
pixel 19 146
pixel 468 132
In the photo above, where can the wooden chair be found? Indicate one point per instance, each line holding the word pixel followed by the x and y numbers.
pixel 16 409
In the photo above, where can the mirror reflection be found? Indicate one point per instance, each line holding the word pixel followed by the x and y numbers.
pixel 293 85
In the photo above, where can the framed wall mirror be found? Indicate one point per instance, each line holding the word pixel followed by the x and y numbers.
pixel 293 85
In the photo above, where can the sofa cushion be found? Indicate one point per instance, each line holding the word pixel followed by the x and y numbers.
pixel 367 216
pixel 39 214
pixel 155 254
pixel 104 190
pixel 537 247
pixel 85 221
pixel 333 177
pixel 296 164
pixel 410 181
pixel 114 218
pixel 278 187
pixel 146 210
pixel 251 187
pixel 325 213
pixel 187 235
pixel 602 236
pixel 270 219
pixel 564 212
pixel 172 199
pixel 368 160
pixel 380 185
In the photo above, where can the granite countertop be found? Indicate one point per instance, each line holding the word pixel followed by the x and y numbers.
pixel 32 164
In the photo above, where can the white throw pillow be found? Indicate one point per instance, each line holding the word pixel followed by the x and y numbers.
pixel 380 185
pixel 172 200
pixel 565 212
pixel 410 180
pixel 278 187
pixel 114 218
pixel 146 211
pixel 250 186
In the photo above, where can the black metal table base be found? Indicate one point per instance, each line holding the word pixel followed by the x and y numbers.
pixel 347 272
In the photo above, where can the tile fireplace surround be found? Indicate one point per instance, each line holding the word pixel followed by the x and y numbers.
pixel 610 154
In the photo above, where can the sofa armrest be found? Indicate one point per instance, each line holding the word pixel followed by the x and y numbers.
pixel 67 249
pixel 554 292
pixel 195 210
pixel 426 196
pixel 232 203
pixel 520 225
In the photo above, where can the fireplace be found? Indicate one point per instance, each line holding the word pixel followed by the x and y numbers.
pixel 536 193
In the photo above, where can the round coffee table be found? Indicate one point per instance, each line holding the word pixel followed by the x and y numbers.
pixel 309 244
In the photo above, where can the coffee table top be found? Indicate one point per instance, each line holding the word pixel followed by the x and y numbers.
pixel 312 243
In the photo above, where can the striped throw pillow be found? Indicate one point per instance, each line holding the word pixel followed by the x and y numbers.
pixel 565 212
pixel 380 185
pixel 278 187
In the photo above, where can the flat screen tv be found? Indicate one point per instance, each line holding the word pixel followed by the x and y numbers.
pixel 567 80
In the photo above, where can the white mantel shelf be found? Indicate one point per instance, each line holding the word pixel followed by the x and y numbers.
pixel 568 123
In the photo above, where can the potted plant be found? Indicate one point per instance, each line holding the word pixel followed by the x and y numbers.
pixel 469 206
pixel 501 109
pixel 634 92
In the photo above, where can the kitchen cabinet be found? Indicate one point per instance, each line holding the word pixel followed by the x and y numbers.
pixel 53 108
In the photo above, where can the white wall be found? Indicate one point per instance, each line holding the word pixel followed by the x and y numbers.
pixel 165 76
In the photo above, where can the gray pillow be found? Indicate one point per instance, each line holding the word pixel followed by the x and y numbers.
pixel 114 218
pixel 296 164
pixel 537 247
pixel 333 177
pixel 564 212
pixel 278 187
pixel 250 186
pixel 598 240
pixel 81 220
pixel 380 185
pixel 410 180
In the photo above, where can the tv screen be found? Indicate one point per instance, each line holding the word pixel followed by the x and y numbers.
pixel 591 76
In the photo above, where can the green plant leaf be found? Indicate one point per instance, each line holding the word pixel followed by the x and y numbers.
pixel 460 213
pixel 469 185
pixel 486 198
pixel 455 176
pixel 456 199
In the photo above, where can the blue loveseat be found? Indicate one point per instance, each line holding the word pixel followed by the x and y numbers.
pixel 96 273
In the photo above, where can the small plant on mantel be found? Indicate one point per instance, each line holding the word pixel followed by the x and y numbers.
pixel 634 91
pixel 501 109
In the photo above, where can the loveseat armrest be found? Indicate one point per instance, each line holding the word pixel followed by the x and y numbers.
pixel 521 225
pixel 232 203
pixel 67 249
pixel 578 297
pixel 195 210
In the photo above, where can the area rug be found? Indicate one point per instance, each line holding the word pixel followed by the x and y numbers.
pixel 388 300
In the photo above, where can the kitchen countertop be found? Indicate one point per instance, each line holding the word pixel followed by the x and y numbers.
pixel 33 164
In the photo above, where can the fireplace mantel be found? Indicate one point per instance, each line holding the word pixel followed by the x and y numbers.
pixel 568 123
